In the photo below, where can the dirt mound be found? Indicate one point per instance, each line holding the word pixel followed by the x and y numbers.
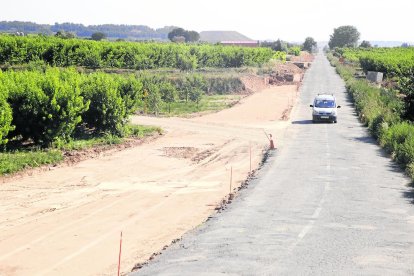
pixel 287 73
pixel 288 68
pixel 254 83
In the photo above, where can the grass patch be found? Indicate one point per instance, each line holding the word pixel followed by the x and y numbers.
pixel 211 103
pixel 381 110
pixel 12 161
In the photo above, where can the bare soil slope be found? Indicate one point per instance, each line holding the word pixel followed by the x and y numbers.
pixel 67 221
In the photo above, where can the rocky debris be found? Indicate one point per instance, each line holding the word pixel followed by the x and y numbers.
pixel 254 83
pixel 286 73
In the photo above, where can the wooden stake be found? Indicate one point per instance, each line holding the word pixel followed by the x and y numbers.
pixel 231 177
pixel 120 251
pixel 250 150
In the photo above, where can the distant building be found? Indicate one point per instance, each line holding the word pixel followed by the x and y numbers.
pixel 242 43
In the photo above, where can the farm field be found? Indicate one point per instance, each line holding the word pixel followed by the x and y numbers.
pixel 68 220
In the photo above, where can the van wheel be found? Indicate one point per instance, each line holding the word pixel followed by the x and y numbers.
pixel 335 122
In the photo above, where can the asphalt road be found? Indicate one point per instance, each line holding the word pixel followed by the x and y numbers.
pixel 330 202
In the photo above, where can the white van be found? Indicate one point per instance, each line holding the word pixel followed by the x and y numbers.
pixel 324 108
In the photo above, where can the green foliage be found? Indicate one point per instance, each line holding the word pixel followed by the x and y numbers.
pixel 141 131
pixel 365 44
pixel 189 36
pixel 154 98
pixel 295 50
pixel 278 45
pixel 206 104
pixel 186 62
pixel 191 87
pixel 168 93
pixel 397 64
pixel 107 111
pixel 65 35
pixel 280 56
pixel 11 162
pixel 309 45
pixel 5 113
pixel 406 86
pixel 98 36
pixel 131 90
pixel 131 55
pixel 382 112
pixel 224 85
pixel 344 36
pixel 45 105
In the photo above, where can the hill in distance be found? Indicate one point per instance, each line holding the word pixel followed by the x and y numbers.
pixel 217 36
pixel 389 43
pixel 127 32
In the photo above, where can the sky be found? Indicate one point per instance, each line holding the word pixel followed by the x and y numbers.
pixel 258 19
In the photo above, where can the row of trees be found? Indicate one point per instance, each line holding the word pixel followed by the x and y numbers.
pixel 50 105
pixel 309 45
pixel 140 56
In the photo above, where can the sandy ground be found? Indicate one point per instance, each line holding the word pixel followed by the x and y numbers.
pixel 67 221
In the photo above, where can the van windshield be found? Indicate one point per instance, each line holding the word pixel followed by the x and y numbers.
pixel 324 103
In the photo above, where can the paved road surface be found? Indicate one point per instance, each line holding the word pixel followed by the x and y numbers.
pixel 328 203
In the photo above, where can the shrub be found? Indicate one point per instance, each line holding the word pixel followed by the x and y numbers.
pixel 46 106
pixel 5 115
pixel 131 90
pixel 107 111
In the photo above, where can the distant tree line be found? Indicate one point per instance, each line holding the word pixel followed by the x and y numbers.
pixel 131 32
pixel 291 48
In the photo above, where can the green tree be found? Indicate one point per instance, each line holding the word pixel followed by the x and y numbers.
pixel 344 36
pixel 192 86
pixel 131 90
pixel 46 105
pixel 65 35
pixel 280 46
pixel 295 50
pixel 190 36
pixel 107 111
pixel 98 36
pixel 365 44
pixel 168 93
pixel 196 94
pixel 406 84
pixel 186 62
pixel 5 114
pixel 176 32
pixel 154 98
pixel 309 45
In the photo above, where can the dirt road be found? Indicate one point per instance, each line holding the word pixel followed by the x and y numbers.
pixel 67 221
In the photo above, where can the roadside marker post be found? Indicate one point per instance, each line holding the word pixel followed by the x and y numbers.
pixel 120 252
pixel 231 178
pixel 272 145
pixel 250 151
